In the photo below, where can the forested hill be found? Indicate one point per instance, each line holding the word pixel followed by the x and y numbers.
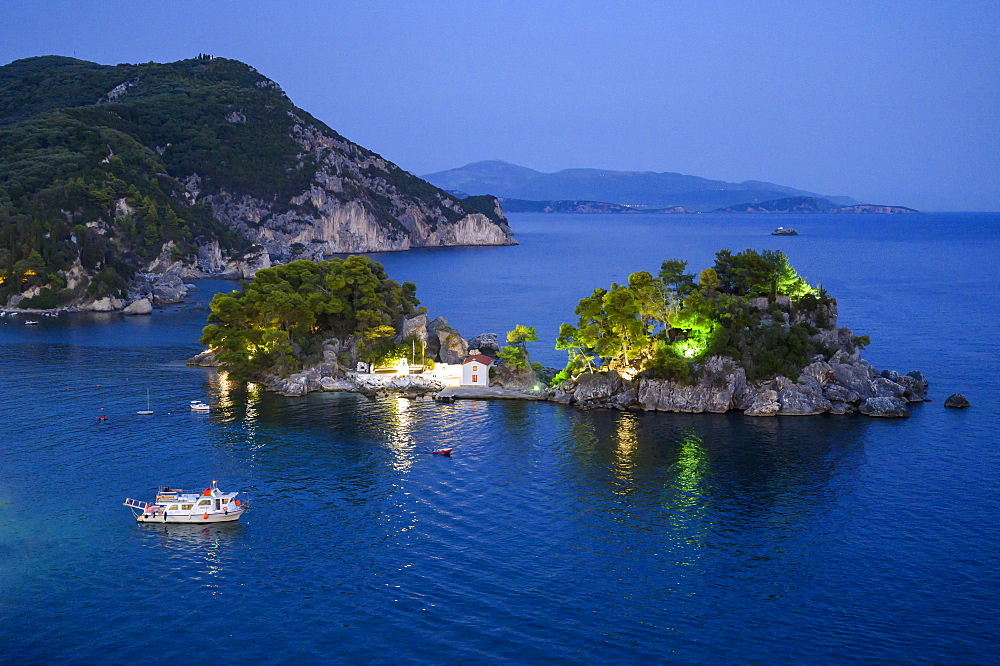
pixel 202 166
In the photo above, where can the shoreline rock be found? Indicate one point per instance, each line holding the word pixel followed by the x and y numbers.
pixel 956 401
pixel 844 384
pixel 721 388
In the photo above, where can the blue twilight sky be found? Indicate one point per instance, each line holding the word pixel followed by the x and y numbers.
pixel 889 102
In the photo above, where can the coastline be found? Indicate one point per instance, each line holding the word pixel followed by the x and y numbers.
pixel 843 384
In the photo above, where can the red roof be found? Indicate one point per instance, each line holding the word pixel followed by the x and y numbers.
pixel 478 358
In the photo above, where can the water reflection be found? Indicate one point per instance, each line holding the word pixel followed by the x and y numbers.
pixel 686 501
pixel 252 417
pixel 400 437
pixel 224 387
pixel 707 473
pixel 205 549
pixel 185 538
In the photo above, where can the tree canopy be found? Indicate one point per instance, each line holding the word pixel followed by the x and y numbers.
pixel 663 325
pixel 515 352
pixel 279 317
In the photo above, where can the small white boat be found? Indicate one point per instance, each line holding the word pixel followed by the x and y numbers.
pixel 147 411
pixel 31 322
pixel 199 406
pixel 178 506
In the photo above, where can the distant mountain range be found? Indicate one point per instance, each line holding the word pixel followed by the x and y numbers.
pixel 630 189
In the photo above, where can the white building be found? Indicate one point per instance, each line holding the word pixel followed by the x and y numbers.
pixel 476 370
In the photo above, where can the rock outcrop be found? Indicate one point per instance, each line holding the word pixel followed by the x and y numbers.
pixel 205 359
pixel 106 304
pixel 139 307
pixel 451 346
pixel 415 327
pixel 486 343
pixel 211 261
pixel 956 401
pixel 840 385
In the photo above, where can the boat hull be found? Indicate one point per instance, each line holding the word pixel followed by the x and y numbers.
pixel 194 518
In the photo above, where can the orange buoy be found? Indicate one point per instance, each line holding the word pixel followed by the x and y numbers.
pixel 205 517
pixel 237 502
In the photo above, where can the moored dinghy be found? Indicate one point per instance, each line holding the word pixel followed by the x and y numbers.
pixel 177 506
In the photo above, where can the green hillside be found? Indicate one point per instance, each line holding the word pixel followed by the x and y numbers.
pixel 103 165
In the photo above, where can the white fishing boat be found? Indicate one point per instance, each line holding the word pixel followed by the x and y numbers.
pixel 199 406
pixel 179 506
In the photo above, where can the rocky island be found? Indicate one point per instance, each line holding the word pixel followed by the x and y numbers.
pixel 118 183
pixel 748 334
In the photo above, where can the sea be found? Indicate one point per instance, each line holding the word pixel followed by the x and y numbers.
pixel 551 535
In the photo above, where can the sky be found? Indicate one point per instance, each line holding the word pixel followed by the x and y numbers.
pixel 889 102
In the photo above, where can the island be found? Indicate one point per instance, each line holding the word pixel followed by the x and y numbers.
pixel 812 205
pixel 747 334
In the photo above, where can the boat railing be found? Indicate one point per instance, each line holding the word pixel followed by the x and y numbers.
pixel 136 504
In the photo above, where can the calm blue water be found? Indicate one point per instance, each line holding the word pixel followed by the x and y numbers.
pixel 551 534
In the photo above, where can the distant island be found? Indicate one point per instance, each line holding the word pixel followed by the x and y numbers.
pixel 811 205
pixel 523 206
pixel 117 183
pixel 630 189
pixel 747 334
pixel 786 205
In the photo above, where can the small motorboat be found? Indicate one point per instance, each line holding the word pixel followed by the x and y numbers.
pixel 442 452
pixel 199 406
pixel 178 506
pixel 31 322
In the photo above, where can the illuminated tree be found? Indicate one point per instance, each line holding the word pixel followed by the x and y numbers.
pixel 515 353
pixel 286 310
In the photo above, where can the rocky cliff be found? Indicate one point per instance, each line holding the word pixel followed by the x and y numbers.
pixel 356 202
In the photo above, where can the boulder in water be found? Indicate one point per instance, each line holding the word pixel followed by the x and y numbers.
pixel 139 307
pixel 956 401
